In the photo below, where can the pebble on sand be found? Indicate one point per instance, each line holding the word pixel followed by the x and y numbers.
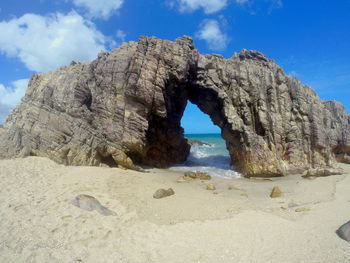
pixel 276 192
pixel 302 209
pixel 184 179
pixel 198 175
pixel 211 187
pixel 161 193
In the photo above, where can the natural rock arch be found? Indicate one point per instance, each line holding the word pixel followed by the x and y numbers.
pixel 125 108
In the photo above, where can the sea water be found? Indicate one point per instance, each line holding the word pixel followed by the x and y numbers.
pixel 212 158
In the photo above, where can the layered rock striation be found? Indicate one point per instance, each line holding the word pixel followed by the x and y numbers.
pixel 125 107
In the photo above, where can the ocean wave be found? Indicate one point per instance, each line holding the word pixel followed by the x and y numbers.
pixel 209 159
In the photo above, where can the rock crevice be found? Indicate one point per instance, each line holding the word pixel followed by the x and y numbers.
pixel 125 108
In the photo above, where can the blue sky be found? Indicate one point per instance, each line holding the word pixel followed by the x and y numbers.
pixel 309 39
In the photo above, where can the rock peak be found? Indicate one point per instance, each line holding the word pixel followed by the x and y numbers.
pixel 185 40
pixel 252 54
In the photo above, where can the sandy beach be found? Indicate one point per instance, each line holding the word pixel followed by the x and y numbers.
pixel 238 222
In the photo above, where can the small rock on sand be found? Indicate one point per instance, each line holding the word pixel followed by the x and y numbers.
pixel 260 178
pixel 89 203
pixel 161 193
pixel 322 172
pixel 276 192
pixel 244 194
pixel 344 231
pixel 184 179
pixel 211 187
pixel 231 187
pixel 302 209
pixel 198 175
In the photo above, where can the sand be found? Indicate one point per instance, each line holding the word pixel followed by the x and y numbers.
pixel 238 222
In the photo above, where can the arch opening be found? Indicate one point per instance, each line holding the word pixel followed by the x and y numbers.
pixel 167 145
pixel 208 152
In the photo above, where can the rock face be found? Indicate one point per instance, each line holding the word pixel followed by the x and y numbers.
pixel 125 107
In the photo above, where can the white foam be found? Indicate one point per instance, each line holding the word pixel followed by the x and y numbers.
pixel 208 169
pixel 205 158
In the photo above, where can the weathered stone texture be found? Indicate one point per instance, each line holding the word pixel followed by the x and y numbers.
pixel 125 107
pixel 272 123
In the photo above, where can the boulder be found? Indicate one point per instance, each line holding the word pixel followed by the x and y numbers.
pixel 344 231
pixel 161 193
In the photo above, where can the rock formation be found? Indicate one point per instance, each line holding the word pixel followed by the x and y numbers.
pixel 125 107
pixel 192 142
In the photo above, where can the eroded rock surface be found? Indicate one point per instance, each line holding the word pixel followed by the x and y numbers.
pixel 125 107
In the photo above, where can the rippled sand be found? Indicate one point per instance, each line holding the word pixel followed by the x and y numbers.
pixel 238 222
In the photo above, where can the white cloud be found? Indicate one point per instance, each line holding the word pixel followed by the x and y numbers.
pixel 209 6
pixel 241 2
pixel 212 34
pixel 43 43
pixel 99 8
pixel 11 96
pixel 275 4
pixel 269 4
pixel 121 35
